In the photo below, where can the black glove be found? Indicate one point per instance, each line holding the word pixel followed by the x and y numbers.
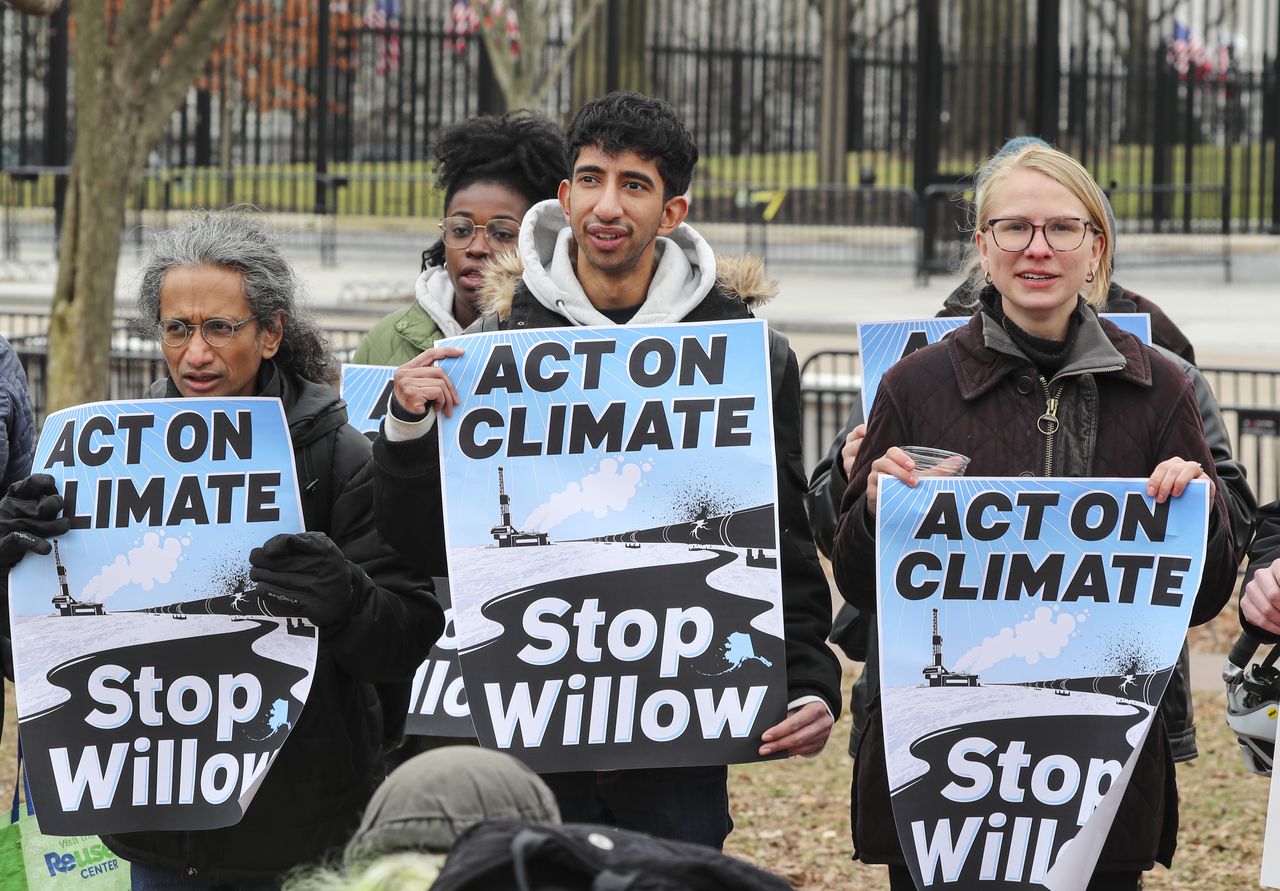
pixel 30 513
pixel 307 574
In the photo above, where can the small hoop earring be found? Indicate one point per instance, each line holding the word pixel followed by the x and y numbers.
pixel 1090 277
pixel 988 278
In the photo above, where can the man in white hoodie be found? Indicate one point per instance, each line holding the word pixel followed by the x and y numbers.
pixel 613 249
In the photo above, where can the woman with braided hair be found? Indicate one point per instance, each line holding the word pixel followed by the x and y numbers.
pixel 492 170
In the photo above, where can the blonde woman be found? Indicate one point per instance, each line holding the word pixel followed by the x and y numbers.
pixel 1036 347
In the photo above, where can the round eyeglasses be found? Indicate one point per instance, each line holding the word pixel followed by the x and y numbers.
pixel 1015 235
pixel 459 232
pixel 216 332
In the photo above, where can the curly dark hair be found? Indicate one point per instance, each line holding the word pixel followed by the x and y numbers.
pixel 518 150
pixel 630 121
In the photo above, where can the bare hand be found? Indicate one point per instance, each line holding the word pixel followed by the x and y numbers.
pixel 895 463
pixel 1171 477
pixel 849 453
pixel 803 732
pixel 420 382
pixel 1260 602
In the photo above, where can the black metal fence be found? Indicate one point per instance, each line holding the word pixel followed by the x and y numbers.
pixel 831 383
pixel 329 107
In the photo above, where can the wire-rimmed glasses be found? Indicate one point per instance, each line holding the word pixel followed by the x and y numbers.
pixel 459 232
pixel 1060 233
pixel 216 332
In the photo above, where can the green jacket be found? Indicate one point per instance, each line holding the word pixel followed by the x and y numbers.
pixel 399 337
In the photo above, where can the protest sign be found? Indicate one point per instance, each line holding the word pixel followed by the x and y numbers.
pixel 881 344
pixel 366 389
pixel 1028 628
pixel 1270 876
pixel 154 686
pixel 438 702
pixel 613 545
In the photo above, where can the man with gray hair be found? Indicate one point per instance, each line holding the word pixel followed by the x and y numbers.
pixel 221 298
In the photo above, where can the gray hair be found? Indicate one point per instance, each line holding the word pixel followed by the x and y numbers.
pixel 236 240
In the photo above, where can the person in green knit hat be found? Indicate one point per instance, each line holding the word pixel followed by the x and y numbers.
pixel 492 169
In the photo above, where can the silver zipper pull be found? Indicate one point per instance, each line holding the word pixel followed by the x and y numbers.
pixel 1048 422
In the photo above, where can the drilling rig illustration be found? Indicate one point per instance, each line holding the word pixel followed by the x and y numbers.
pixel 66 604
pixel 506 535
pixel 936 673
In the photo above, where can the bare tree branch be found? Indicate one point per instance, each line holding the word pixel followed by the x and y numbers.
pixel 499 56
pixel 131 26
pixel 579 31
pixel 161 39
pixel 162 95
pixel 42 8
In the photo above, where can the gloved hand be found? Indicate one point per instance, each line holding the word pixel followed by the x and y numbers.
pixel 307 573
pixel 30 513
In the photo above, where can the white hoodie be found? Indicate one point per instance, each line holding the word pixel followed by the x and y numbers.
pixel 434 291
pixel 685 273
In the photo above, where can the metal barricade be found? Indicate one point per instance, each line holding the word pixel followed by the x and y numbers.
pixel 830 385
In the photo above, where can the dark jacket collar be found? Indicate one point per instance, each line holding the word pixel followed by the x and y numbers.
pixel 982 353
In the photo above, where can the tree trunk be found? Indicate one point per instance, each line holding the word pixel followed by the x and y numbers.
pixel 126 89
pixel 88 256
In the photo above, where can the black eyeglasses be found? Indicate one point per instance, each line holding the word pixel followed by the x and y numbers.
pixel 459 232
pixel 216 332
pixel 1061 233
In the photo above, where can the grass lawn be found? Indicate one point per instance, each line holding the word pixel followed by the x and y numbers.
pixel 406 188
pixel 793 816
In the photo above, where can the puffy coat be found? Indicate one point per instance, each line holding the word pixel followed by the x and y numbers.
pixel 398 337
pixel 311 800
pixel 1123 409
pixel 17 426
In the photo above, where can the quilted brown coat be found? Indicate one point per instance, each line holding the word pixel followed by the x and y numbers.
pixel 1123 409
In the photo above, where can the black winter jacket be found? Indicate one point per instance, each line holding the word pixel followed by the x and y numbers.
pixel 411 474
pixel 311 800
pixel 1264 551
pixel 1123 409
pixel 17 426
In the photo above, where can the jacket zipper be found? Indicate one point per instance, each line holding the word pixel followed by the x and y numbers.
pixel 1048 422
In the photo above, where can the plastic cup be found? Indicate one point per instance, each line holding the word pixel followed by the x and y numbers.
pixel 936 462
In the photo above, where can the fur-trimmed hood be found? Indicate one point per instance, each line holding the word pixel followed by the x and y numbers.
pixel 687 271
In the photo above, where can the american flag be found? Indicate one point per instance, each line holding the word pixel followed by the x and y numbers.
pixel 1187 51
pixel 384 16
pixel 462 23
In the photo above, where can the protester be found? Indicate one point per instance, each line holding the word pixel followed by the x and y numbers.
pixel 855 632
pixel 614 250
pixel 221 298
pixel 415 817
pixel 1260 593
pixel 491 170
pixel 1045 246
pixel 17 444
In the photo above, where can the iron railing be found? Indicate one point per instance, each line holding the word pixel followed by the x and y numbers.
pixel 890 93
